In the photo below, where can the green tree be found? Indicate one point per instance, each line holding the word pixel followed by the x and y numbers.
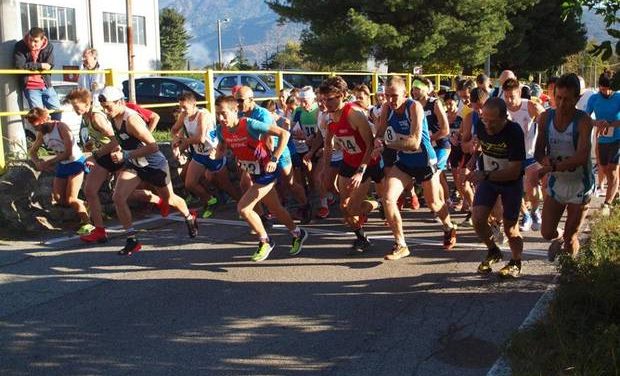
pixel 610 11
pixel 173 38
pixel 240 61
pixel 540 38
pixel 406 32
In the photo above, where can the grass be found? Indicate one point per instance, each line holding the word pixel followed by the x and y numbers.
pixel 162 136
pixel 580 334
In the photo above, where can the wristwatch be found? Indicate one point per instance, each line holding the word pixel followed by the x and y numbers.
pixel 361 170
pixel 274 159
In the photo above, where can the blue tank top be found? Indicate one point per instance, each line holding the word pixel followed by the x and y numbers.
pixel 433 123
pixel 400 124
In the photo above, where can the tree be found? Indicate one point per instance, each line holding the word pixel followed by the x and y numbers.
pixel 610 11
pixel 541 37
pixel 173 39
pixel 240 61
pixel 406 32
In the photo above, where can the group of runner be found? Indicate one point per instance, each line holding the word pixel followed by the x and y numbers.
pixel 500 146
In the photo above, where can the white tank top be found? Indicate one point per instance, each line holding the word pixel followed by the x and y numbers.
pixel 528 125
pixel 191 126
pixel 562 146
pixel 53 141
pixel 323 120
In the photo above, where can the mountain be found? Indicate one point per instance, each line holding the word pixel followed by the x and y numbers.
pixel 254 26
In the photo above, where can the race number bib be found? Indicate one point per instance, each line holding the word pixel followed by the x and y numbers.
pixel 390 135
pixel 252 167
pixel 493 164
pixel 609 132
pixel 309 130
pixel 349 145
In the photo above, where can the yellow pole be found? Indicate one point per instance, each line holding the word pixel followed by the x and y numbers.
pixel 375 83
pixel 408 83
pixel 209 92
pixel 110 77
pixel 437 82
pixel 279 82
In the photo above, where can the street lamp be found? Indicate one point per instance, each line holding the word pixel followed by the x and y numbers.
pixel 219 39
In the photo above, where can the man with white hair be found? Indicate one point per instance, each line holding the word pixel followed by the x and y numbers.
pixel 91 81
pixel 505 75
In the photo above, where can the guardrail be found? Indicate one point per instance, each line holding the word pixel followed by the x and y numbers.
pixel 208 76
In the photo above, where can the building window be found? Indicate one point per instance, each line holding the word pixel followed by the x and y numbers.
pixel 58 22
pixel 115 28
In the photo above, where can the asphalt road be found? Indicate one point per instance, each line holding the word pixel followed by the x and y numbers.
pixel 200 307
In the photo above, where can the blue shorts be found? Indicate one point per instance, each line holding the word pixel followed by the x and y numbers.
pixel 208 163
pixel 65 170
pixel 266 177
pixel 487 192
pixel 443 154
pixel 335 164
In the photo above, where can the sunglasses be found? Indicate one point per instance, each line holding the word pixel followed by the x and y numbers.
pixel 242 100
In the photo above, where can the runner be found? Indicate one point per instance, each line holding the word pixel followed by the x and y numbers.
pixel 450 100
pixel 195 131
pixel 142 162
pixel 351 130
pixel 304 133
pixel 524 112
pixel 329 166
pixel 69 162
pixel 605 105
pixel 243 136
pixel 404 127
pixel 499 175
pixel 563 148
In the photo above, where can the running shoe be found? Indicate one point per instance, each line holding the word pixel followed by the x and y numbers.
pixel 263 250
pixel 511 270
pixel 449 238
pixel 493 256
pixel 212 201
pixel 298 242
pixel 98 235
pixel 526 222
pixel 164 207
pixel 555 249
pixel 132 245
pixel 536 220
pixel 606 210
pixel 192 225
pixel 467 222
pixel 414 202
pixel 206 212
pixel 397 252
pixel 323 213
pixel 359 246
pixel 85 229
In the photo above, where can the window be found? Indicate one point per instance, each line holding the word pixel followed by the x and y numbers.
pixel 170 90
pixel 253 83
pixel 58 22
pixel 145 88
pixel 228 82
pixel 115 28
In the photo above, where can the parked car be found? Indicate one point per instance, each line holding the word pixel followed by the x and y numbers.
pixel 155 90
pixel 68 116
pixel 263 85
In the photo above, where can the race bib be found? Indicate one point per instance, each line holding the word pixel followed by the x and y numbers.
pixel 348 144
pixel 390 135
pixel 493 164
pixel 309 130
pixel 252 167
pixel 609 132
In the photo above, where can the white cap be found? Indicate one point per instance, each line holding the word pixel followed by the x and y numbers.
pixel 381 89
pixel 306 92
pixel 111 94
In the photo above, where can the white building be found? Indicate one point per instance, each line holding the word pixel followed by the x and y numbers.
pixel 73 25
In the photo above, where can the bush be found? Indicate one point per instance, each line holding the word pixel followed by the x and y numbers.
pixel 580 335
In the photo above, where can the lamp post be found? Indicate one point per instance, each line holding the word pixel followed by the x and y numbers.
pixel 219 39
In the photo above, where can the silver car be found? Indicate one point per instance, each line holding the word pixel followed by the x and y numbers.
pixel 263 85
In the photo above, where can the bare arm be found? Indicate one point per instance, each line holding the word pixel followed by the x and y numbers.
pixel 540 152
pixel 510 173
pixel 444 126
pixel 137 128
pixel 584 146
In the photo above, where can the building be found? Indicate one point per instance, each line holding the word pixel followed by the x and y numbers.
pixel 73 25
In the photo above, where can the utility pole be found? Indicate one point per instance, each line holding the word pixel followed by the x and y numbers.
pixel 219 40
pixel 131 83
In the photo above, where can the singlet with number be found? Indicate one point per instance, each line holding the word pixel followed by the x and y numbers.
pixel 324 119
pixel 250 152
pixel 129 142
pixel 54 141
pixel 191 126
pixel 88 131
pixel 350 140
pixel 563 145
pixel 307 121
pixel 455 128
pixel 528 126
pixel 606 109
pixel 399 125
pixel 433 122
pixel 502 148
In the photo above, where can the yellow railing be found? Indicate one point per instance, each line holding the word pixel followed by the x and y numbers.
pixel 111 79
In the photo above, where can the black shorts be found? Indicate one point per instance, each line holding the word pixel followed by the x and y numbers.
pixel 105 161
pixel 159 177
pixel 374 172
pixel 389 156
pixel 420 174
pixel 609 153
pixel 456 154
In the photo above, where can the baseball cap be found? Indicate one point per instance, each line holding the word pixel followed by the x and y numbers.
pixel 110 94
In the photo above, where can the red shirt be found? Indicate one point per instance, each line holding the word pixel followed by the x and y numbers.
pixel 350 140
pixel 143 112
pixel 251 153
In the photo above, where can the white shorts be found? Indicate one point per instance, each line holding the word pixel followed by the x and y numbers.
pixel 568 190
